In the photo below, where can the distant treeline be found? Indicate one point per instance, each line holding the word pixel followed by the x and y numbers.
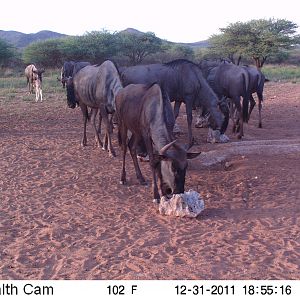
pixel 252 42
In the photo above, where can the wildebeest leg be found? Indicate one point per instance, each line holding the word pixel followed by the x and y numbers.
pixel 111 118
pixel 234 115
pixel 155 192
pixel 176 109
pixel 132 144
pixel 104 143
pixel 85 118
pixel 37 94
pixel 93 121
pixel 232 111
pixel 123 141
pixel 252 104
pixel 260 100
pixel 259 114
pixel 31 85
pixel 99 125
pixel 225 111
pixel 108 125
pixel 107 138
pixel 28 84
pixel 200 118
pixel 177 104
pixel 189 115
pixel 239 121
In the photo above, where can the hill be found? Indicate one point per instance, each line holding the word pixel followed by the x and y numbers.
pixel 22 40
pixel 200 44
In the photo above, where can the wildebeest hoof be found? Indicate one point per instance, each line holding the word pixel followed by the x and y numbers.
pixel 259 125
pixel 99 144
pixel 156 201
pixel 224 138
pixel 112 154
pixel 143 158
pixel 123 182
pixel 239 136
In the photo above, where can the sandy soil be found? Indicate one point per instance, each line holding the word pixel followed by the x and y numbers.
pixel 63 214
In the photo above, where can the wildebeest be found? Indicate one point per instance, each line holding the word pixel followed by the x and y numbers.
pixel 34 81
pixel 182 81
pixel 231 81
pixel 67 70
pixel 256 85
pixel 95 87
pixel 148 115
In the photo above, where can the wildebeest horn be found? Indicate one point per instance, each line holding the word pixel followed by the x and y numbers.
pixel 163 150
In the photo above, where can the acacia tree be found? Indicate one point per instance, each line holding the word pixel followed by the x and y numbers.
pixel 137 46
pixel 46 53
pixel 255 39
pixel 95 47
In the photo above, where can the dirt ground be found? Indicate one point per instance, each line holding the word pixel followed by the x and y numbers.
pixel 64 215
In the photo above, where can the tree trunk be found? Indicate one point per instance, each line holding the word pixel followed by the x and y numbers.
pixel 257 62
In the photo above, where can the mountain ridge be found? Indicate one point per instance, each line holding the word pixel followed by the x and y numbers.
pixel 21 40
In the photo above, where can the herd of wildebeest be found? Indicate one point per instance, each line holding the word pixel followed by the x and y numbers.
pixel 138 99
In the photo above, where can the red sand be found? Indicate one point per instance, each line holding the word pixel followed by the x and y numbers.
pixel 63 214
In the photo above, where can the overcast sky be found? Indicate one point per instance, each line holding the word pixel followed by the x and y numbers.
pixel 173 20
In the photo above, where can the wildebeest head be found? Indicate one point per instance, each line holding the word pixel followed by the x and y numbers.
pixel 173 164
pixel 71 100
pixel 37 76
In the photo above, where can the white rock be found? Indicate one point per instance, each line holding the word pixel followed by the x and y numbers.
pixel 188 204
pixel 214 136
pixel 224 138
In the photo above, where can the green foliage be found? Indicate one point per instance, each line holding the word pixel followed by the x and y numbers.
pixel 137 46
pixel 255 39
pixel 180 51
pixel 6 52
pixel 46 53
pixel 94 47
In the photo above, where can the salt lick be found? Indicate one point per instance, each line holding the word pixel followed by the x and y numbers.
pixel 189 204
